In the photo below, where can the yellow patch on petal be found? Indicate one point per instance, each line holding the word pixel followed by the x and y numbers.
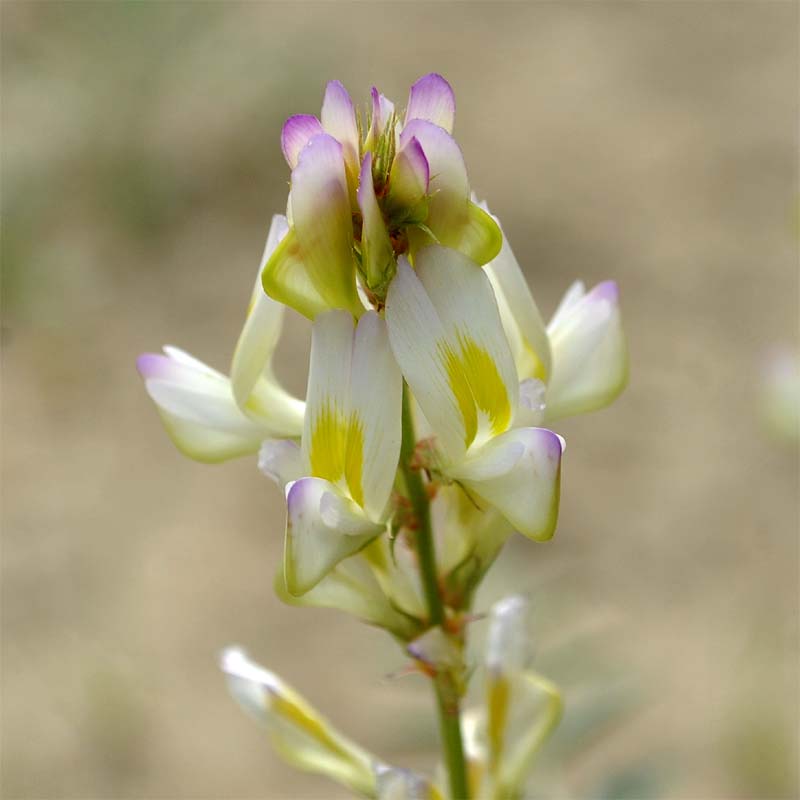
pixel 337 450
pixel 305 722
pixel 497 704
pixel 476 385
pixel 533 367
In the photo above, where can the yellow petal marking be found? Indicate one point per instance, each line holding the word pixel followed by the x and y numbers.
pixel 337 450
pixel 532 367
pixel 476 385
pixel 497 703
pixel 305 720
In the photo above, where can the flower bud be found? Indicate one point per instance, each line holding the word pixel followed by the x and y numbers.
pixel 300 735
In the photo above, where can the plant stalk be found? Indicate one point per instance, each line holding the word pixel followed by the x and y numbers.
pixel 447 696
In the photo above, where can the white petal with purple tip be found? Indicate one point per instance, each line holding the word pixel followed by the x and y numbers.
pixel 519 474
pixel 409 177
pixel 590 357
pixel 322 529
pixel 432 99
pixel 323 222
pixel 196 405
pixel 297 132
pixel 338 118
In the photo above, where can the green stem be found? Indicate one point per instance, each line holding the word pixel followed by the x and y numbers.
pixel 422 513
pixel 447 696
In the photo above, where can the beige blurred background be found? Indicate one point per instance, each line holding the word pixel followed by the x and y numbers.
pixel 654 143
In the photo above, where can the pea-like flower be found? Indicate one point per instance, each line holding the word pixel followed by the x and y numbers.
pixel 301 735
pixel 364 193
pixel 579 361
pixel 212 418
pixel 349 449
pixel 520 710
pixel 446 333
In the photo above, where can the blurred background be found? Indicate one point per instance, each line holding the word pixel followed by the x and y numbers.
pixel 655 143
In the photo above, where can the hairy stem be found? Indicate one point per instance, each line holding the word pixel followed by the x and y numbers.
pixel 447 696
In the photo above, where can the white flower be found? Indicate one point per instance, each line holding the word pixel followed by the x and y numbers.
pixel 446 333
pixel 579 362
pixel 350 447
pixel 299 733
pixel 520 710
pixel 212 418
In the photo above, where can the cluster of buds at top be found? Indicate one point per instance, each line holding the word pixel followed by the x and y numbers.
pixel 364 193
pixel 429 356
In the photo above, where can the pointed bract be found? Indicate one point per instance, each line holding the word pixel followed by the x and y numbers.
pixel 382 110
pixel 377 256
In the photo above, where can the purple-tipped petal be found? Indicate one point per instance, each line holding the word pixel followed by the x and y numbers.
pixel 519 473
pixel 432 98
pixel 449 185
pixel 323 222
pixel 410 177
pixel 607 290
pixel 322 528
pixel 339 120
pixel 197 407
pixel 297 132
pixel 154 365
pixel 590 354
